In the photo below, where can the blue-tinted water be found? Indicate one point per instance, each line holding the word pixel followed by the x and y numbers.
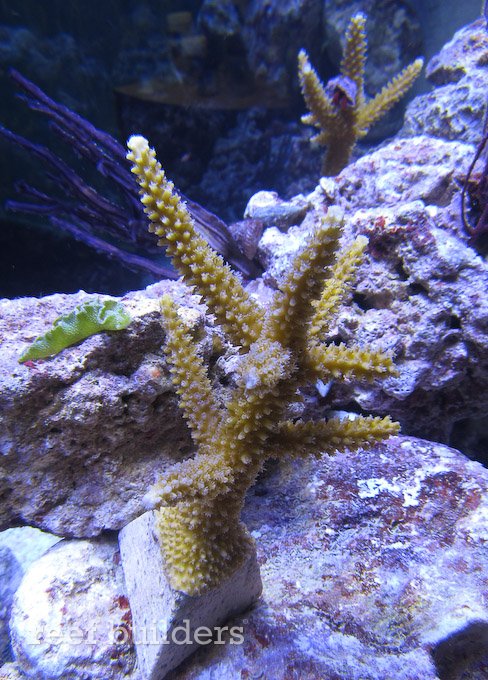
pixel 150 67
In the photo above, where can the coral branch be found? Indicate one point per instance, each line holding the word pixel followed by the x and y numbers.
pixel 336 288
pixel 197 400
pixel 354 59
pixel 376 108
pixel 321 437
pixel 339 109
pixel 190 253
pixel 293 307
pixel 339 361
pixel 199 501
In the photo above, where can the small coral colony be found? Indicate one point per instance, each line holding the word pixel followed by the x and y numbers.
pixel 280 350
pixel 340 110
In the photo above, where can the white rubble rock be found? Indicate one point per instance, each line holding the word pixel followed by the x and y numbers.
pixel 27 544
pixel 71 617
pixel 168 625
pixel 272 210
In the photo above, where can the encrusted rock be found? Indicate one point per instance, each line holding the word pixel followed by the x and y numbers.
pixel 403 170
pixel 84 433
pixel 373 567
pixel 455 108
pixel 168 625
pixel 71 617
pixel 420 291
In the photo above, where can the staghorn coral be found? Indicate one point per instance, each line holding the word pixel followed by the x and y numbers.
pixel 280 349
pixel 340 110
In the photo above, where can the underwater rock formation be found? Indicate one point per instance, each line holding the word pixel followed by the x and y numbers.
pixel 421 290
pixel 454 109
pixel 373 565
pixel 83 432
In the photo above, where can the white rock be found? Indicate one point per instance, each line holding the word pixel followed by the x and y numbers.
pixel 272 210
pixel 168 625
pixel 27 544
pixel 71 617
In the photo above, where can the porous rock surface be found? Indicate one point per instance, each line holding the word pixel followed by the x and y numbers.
pixel 421 291
pixel 373 567
pixel 71 618
pixel 455 108
pixel 84 433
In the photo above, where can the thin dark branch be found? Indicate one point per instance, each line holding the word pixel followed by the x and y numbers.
pixel 82 210
pixel 477 230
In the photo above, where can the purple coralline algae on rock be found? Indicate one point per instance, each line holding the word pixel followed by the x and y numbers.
pixel 372 564
pixel 421 289
pixel 454 109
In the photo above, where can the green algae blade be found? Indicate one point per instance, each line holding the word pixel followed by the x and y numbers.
pixel 87 318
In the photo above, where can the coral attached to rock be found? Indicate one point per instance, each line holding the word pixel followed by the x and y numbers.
pixel 340 110
pixel 280 350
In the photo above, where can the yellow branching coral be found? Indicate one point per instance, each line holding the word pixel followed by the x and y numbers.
pixel 199 501
pixel 339 109
pixel 191 254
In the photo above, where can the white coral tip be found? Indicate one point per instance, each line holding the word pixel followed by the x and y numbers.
pixel 137 144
